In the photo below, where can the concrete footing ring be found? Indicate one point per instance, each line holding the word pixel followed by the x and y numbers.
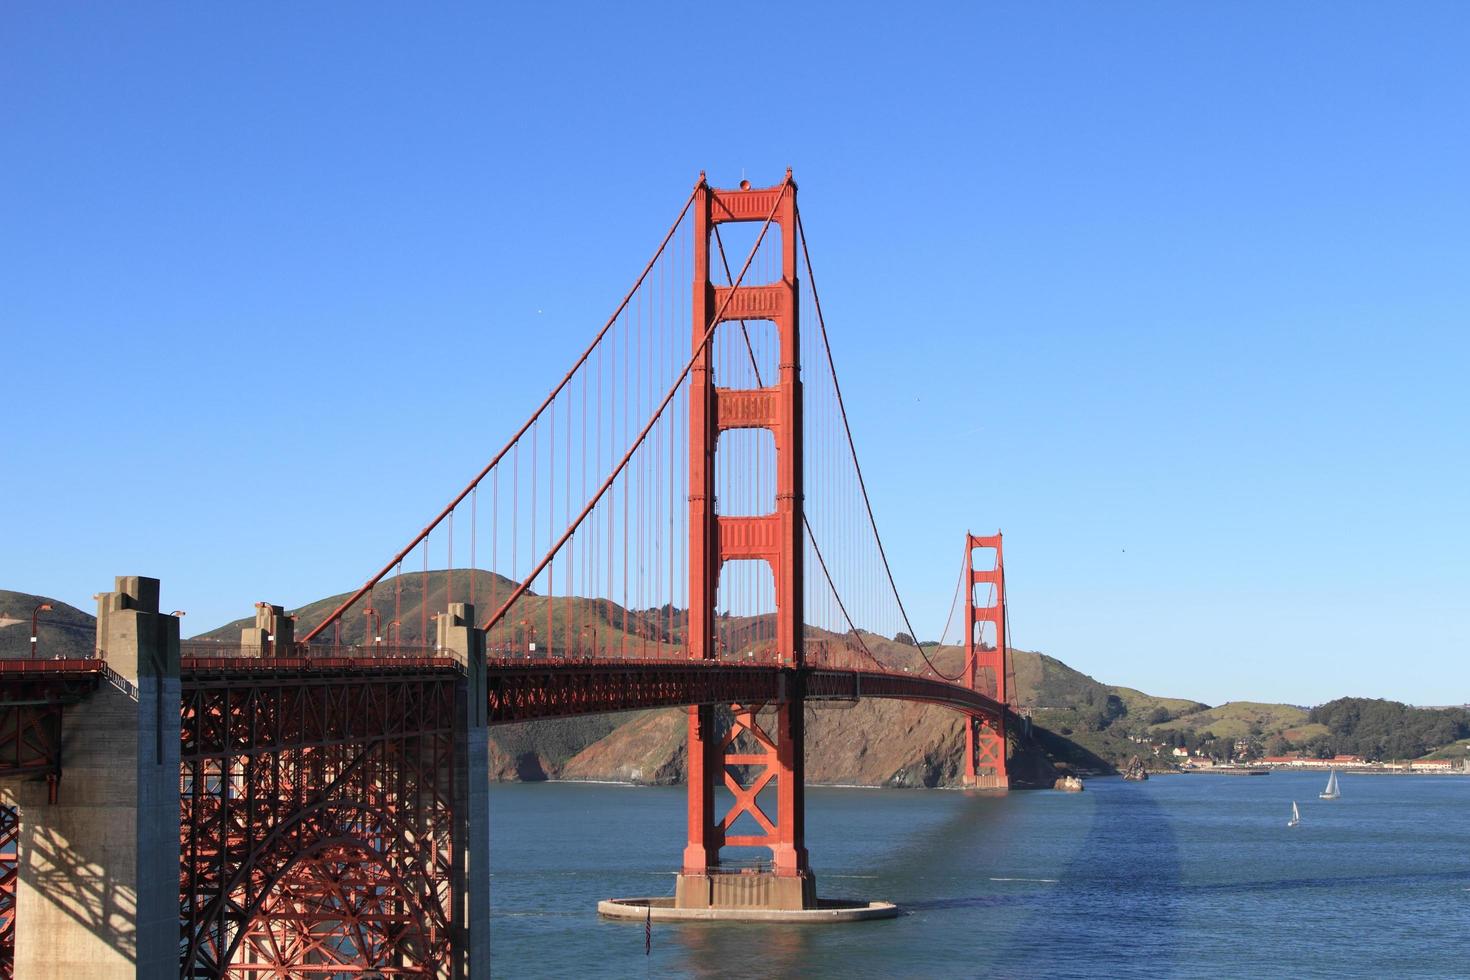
pixel 664 910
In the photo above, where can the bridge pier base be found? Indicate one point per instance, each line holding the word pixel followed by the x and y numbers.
pixel 985 755
pixel 98 869
pixel 742 889
pixel 471 913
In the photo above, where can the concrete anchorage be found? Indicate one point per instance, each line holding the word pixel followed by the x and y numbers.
pixel 98 878
pixel 273 631
pixel 470 916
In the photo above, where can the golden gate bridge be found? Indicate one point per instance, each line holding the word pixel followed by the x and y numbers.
pixel 682 522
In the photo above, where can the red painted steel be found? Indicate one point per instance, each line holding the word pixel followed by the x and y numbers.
pixel 775 537
pixel 33 696
pixel 317 822
pixel 986 665
pixel 527 692
pixel 9 838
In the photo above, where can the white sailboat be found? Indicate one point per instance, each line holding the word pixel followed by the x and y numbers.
pixel 1296 815
pixel 1331 792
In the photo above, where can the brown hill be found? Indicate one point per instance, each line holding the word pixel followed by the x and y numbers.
pixel 64 630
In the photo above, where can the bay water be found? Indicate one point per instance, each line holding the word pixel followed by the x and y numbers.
pixel 1180 876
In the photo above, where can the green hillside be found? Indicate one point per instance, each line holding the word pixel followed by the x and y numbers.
pixel 1147 706
pixel 1241 719
pixel 1459 749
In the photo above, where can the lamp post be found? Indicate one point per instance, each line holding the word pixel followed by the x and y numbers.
pixel 395 635
pixel 377 624
pixel 40 608
pixel 593 631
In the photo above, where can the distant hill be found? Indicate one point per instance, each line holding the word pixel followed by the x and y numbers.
pixel 1379 729
pixel 1241 719
pixel 64 630
pixel 405 593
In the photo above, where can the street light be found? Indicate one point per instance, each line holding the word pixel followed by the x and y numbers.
pixel 40 608
pixel 377 624
pixel 394 636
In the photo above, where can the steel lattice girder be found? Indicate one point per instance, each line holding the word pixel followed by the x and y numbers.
pixel 318 823
pixel 905 687
pixel 521 692
pixel 9 838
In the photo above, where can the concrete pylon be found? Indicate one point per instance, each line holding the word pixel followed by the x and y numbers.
pixel 457 634
pixel 273 633
pixel 98 884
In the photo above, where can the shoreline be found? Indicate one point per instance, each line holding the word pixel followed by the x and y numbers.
pixel 1218 771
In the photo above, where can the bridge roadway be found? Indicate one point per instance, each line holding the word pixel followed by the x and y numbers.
pixel 518 689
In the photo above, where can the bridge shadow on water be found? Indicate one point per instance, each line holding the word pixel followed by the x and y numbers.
pixel 1033 884
pixel 1049 885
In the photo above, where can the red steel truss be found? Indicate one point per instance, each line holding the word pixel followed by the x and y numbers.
pixel 986 665
pixel 521 692
pixel 9 837
pixel 318 823
pixel 33 696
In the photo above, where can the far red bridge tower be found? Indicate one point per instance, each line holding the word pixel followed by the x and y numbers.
pixel 987 664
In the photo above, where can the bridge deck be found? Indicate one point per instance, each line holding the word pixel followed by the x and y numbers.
pixel 519 689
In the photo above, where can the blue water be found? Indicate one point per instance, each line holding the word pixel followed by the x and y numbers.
pixel 1182 876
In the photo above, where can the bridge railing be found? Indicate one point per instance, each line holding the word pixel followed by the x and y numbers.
pixel 226 654
pixel 819 654
pixel 41 665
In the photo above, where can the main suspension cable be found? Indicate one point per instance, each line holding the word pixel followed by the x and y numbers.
pixel 852 447
pixel 653 419
pixel 515 439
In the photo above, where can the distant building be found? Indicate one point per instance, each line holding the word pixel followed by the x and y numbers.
pixel 1180 752
pixel 1431 765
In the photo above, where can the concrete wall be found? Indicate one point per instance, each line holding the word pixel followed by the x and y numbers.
pixel 457 634
pixel 98 893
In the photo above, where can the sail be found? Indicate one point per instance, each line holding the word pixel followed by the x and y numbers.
pixel 1331 792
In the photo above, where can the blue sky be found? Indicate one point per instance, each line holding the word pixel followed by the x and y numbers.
pixel 1176 295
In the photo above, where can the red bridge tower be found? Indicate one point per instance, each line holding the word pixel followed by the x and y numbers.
pixel 986 665
pixel 746 758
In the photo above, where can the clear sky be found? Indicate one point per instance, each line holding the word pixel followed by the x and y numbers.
pixel 1175 294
